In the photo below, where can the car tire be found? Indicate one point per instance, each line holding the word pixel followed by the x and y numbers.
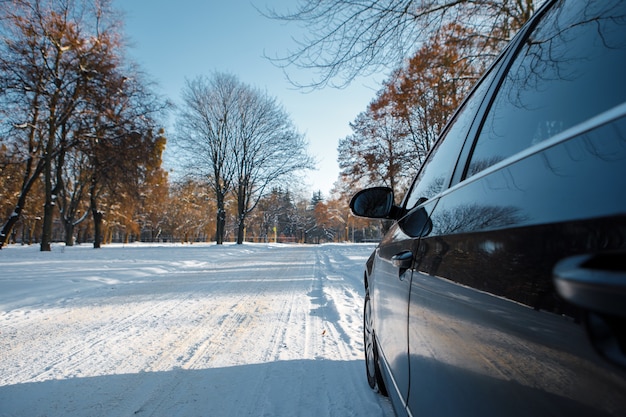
pixel 372 367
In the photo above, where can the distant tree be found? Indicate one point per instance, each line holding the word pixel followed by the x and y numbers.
pixel 267 150
pixel 65 91
pixel 120 166
pixel 377 151
pixel 323 229
pixel 154 192
pixel 241 140
pixel 345 39
pixel 205 133
pixel 391 139
pixel 131 193
pixel 424 92
pixel 122 142
pixel 317 198
pixel 317 216
pixel 275 215
pixel 340 219
pixel 73 184
pixel 190 209
pixel 329 220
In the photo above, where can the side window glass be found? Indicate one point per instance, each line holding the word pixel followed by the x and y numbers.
pixel 431 179
pixel 570 69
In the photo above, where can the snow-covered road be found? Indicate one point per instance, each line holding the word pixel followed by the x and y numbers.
pixel 174 330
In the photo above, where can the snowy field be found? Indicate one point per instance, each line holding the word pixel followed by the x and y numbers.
pixel 184 330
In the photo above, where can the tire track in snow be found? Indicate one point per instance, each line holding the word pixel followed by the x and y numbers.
pixel 338 299
pixel 285 326
pixel 78 341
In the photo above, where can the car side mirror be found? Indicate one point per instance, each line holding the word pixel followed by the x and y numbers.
pixel 373 203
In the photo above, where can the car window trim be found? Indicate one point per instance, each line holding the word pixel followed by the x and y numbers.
pixel 500 65
pixel 453 119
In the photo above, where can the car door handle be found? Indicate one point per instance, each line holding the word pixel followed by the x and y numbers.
pixel 594 282
pixel 597 283
pixel 402 260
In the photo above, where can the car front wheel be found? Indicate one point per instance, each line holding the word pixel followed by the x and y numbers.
pixel 374 377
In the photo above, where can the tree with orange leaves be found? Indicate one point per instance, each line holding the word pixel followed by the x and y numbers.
pixel 424 93
pixel 391 139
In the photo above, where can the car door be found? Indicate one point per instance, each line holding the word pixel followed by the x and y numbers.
pixel 389 292
pixel 543 182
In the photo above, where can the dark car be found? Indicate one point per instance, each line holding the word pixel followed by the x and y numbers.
pixel 500 287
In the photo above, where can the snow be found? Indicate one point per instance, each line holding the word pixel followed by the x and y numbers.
pixel 184 330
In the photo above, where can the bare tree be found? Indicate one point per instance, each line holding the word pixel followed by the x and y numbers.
pixel 205 134
pixel 240 139
pixel 267 150
pixel 345 39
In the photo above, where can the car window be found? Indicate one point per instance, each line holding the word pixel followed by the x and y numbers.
pixel 568 70
pixel 431 179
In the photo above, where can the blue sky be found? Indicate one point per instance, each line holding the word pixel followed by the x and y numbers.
pixel 177 40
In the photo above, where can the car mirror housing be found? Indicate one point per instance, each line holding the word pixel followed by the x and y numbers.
pixel 373 203
pixel 416 223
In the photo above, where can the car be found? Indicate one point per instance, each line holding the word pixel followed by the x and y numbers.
pixel 499 288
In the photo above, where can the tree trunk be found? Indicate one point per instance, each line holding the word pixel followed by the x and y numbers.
pixel 241 211
pixel 69 233
pixel 241 228
pixel 220 229
pixel 96 214
pixel 241 216
pixel 97 228
pixel 48 208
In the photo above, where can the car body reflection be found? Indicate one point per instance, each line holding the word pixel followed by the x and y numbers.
pixel 523 362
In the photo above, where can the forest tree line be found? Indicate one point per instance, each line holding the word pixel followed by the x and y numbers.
pixel 82 137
